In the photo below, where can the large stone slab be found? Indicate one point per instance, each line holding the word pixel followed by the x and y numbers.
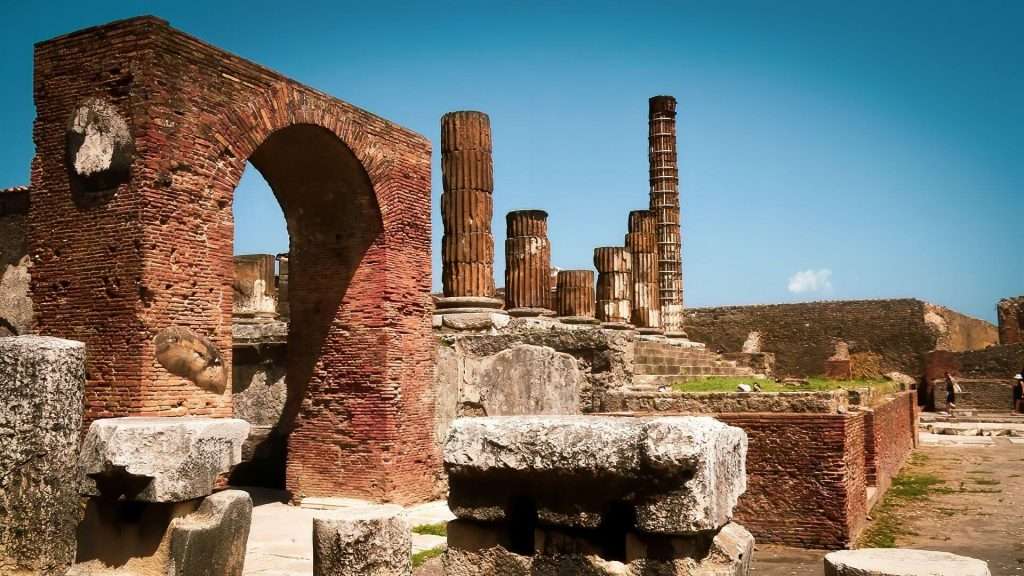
pixel 678 475
pixel 41 385
pixel 901 562
pixel 372 541
pixel 159 459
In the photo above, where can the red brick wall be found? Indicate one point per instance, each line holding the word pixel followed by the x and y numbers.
pixel 806 478
pixel 355 190
pixel 890 434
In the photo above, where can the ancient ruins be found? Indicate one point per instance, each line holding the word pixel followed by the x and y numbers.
pixel 158 386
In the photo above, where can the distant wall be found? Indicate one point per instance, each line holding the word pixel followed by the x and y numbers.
pixel 15 302
pixel 802 336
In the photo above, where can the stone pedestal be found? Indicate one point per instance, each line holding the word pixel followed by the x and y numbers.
pixel 595 495
pixel 41 383
pixel 152 507
pixel 901 562
pixel 373 541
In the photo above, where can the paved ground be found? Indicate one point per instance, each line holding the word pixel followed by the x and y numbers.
pixel 976 512
pixel 281 537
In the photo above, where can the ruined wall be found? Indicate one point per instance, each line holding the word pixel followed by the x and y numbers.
pixel 120 258
pixel 890 434
pixel 725 402
pixel 15 302
pixel 803 336
pixel 1011 320
pixel 805 478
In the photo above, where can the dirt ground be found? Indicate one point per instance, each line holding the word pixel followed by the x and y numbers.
pixel 976 509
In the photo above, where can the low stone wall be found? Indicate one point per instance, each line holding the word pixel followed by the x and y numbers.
pixel 803 336
pixel 890 434
pixel 806 482
pixel 832 402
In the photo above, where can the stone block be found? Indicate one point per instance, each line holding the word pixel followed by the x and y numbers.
pixel 680 475
pixel 41 382
pixel 901 562
pixel 212 540
pixel 200 537
pixel 375 541
pixel 159 459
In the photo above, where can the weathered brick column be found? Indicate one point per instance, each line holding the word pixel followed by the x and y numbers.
pixel 614 286
pixel 642 243
pixel 1011 320
pixel 576 296
pixel 527 264
pixel 467 248
pixel 664 177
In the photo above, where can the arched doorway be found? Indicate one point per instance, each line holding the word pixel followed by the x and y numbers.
pixel 155 250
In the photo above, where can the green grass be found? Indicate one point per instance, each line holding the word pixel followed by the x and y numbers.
pixel 729 384
pixel 420 557
pixel 439 529
pixel 907 487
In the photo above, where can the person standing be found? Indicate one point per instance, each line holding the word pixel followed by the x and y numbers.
pixel 951 388
pixel 1018 392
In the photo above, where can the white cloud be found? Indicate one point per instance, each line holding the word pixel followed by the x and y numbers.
pixel 811 281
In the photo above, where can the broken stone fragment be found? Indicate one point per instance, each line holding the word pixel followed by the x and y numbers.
pixel 41 382
pixel 374 541
pixel 159 459
pixel 211 541
pixel 99 145
pixel 901 562
pixel 677 475
pixel 189 355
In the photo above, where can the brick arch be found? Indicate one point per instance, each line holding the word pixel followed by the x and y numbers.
pixel 163 246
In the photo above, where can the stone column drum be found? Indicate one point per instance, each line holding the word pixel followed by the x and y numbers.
pixel 527 264
pixel 467 248
pixel 664 181
pixel 642 243
pixel 614 286
pixel 576 296
pixel 42 381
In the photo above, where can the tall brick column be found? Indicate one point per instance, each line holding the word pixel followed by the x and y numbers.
pixel 642 243
pixel 527 264
pixel 1011 320
pixel 664 176
pixel 614 286
pixel 576 296
pixel 467 253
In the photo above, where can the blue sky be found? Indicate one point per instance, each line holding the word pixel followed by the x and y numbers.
pixel 881 142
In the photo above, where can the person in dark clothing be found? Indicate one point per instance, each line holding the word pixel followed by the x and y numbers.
pixel 1018 392
pixel 950 392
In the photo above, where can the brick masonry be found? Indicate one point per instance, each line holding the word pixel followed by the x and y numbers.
pixel 1011 320
pixel 157 250
pixel 890 434
pixel 803 336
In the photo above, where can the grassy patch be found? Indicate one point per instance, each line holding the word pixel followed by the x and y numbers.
pixel 439 529
pixel 908 486
pixel 420 557
pixel 729 384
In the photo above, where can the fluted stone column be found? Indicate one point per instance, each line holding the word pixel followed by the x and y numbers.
pixel 527 264
pixel 467 248
pixel 642 243
pixel 664 180
pixel 614 286
pixel 576 297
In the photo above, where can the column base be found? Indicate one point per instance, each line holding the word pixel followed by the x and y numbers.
pixel 579 320
pixel 530 312
pixel 446 303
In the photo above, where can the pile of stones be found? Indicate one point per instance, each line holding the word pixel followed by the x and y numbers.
pixel 539 495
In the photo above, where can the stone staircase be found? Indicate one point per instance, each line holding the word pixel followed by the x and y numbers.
pixel 658 364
